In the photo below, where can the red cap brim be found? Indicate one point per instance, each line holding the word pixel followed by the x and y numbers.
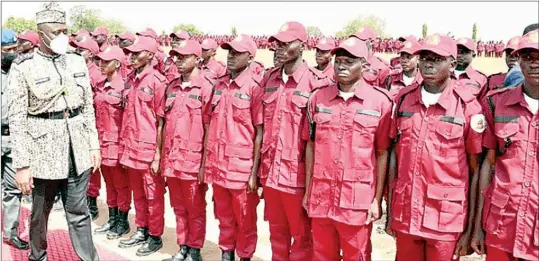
pixel 282 37
pixel 434 50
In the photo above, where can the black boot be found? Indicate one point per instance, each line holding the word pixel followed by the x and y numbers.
pixel 181 255
pixel 228 256
pixel 113 219
pixel 17 242
pixel 194 255
pixel 121 227
pixel 136 239
pixel 92 206
pixel 150 246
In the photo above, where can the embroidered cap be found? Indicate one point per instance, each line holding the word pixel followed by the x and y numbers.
pixel 51 13
pixel 242 43
pixel 290 32
pixel 325 44
pixel 188 47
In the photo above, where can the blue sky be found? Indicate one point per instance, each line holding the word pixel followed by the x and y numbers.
pixel 493 19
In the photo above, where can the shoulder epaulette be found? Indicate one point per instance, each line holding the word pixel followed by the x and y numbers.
pixel 497 91
pixel 23 58
pixel 73 52
pixel 211 80
pixel 464 93
pixel 160 77
pixel 384 92
pixel 317 73
pixel 495 74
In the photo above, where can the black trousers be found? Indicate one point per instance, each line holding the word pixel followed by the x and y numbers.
pixel 73 193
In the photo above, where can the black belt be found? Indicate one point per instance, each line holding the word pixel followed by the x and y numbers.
pixel 5 130
pixel 59 115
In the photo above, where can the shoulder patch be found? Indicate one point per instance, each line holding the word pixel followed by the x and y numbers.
pixel 464 93
pixel 23 58
pixel 384 92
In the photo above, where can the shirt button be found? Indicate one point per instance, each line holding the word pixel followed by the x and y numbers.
pixel 521 214
pixel 417 173
pixel 445 195
pixel 426 118
pixel 336 161
pixel 183 94
pixel 420 144
pixel 343 113
pixel 283 94
pixel 340 137
pixel 416 200
pixel 526 184
pixel 532 153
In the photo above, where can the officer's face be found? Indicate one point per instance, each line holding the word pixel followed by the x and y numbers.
pixel 175 42
pixel 434 68
pixel 207 54
pixel 48 32
pixel 276 61
pixel 109 67
pixel 510 60
pixel 236 61
pixel 125 43
pixel 348 68
pixel 323 57
pixel 529 63
pixel 100 39
pixel 464 56
pixel 408 61
pixel 185 63
pixel 288 52
pixel 141 59
pixel 24 46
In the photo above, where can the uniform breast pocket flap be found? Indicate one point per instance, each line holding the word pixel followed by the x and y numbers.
pixel 322 115
pixel 506 130
pixel 169 101
pixel 145 94
pixel 37 131
pixel 450 127
pixel 194 102
pixel 113 98
pixel 367 118
pixel 271 95
pixel 300 98
pixel 241 101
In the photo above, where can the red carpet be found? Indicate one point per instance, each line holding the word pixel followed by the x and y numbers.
pixel 59 246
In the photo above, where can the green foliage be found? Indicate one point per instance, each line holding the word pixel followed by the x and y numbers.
pixel 190 28
pixel 474 32
pixel 19 24
pixel 313 31
pixel 425 31
pixel 234 31
pixel 81 17
pixel 374 22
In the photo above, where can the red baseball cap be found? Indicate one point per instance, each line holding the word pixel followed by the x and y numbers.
pixel 149 32
pixel 468 43
pixel 365 33
pixel 85 42
pixel 142 43
pixel 528 41
pixel 326 44
pixel 127 36
pixel 410 38
pixel 81 31
pixel 209 44
pixel 100 30
pixel 289 32
pixel 439 44
pixel 112 53
pixel 354 46
pixel 513 43
pixel 188 47
pixel 29 36
pixel 410 47
pixel 242 43
pixel 181 34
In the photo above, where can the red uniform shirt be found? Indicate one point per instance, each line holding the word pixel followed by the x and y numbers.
pixel 95 75
pixel 430 191
pixel 474 80
pixel 511 218
pixel 257 68
pixel 215 68
pixel 139 126
pixel 394 82
pixel 108 102
pixel 395 62
pixel 495 81
pixel 346 137
pixel 377 72
pixel 182 110
pixel 104 47
pixel 282 165
pixel 329 72
pixel 236 110
pixel 171 71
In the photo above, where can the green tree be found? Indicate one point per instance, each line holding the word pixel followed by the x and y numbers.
pixel 82 17
pixel 234 31
pixel 313 31
pixel 19 24
pixel 190 28
pixel 374 22
pixel 474 32
pixel 425 31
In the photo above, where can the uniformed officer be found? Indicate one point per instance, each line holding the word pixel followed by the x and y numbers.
pixel 472 78
pixel 378 69
pixel 232 150
pixel 395 62
pixel 109 103
pixel 409 72
pixel 186 98
pixel 140 146
pixel 100 35
pixel 171 71
pixel 286 91
pixel 11 201
pixel 507 219
pixel 27 42
pixel 55 142
pixel 323 56
pixel 208 62
pixel 496 80
pixel 126 39
pixel 437 128
pixel 346 157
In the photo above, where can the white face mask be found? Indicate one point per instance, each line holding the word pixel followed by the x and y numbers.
pixel 59 44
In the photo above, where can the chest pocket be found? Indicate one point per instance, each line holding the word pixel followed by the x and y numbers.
pixel 270 102
pixel 194 103
pixel 450 132
pixel 299 101
pixel 145 94
pixel 365 125
pixel 169 101
pixel 113 98
pixel 241 104
pixel 506 130
pixel 322 120
pixel 217 95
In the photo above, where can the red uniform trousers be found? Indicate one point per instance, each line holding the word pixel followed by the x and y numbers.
pixel 117 185
pixel 415 248
pixel 287 219
pixel 495 254
pixel 94 185
pixel 330 236
pixel 149 196
pixel 188 199
pixel 236 211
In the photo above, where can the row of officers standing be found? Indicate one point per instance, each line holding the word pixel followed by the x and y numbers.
pixel 461 168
